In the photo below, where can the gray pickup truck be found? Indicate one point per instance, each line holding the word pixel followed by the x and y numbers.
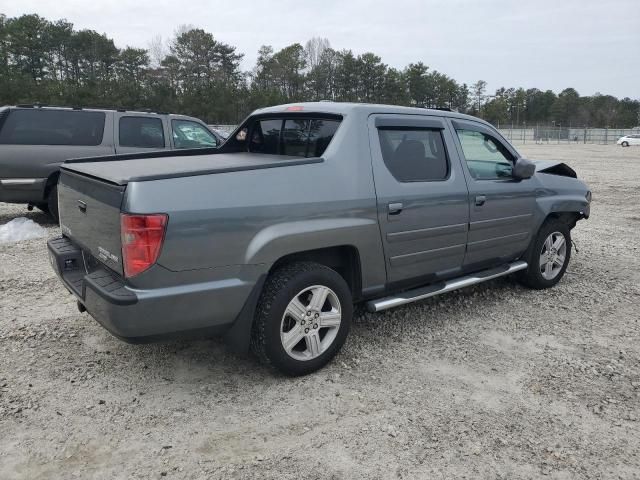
pixel 305 210
pixel 35 140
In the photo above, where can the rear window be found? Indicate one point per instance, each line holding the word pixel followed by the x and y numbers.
pixel 299 137
pixel 141 132
pixel 52 127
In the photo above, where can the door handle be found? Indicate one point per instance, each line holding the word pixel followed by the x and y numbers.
pixel 480 200
pixel 394 208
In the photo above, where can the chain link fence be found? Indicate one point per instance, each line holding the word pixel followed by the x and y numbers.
pixel 566 135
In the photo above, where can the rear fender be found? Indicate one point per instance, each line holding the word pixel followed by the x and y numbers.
pixel 280 240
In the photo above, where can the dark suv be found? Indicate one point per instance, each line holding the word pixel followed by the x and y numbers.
pixel 35 140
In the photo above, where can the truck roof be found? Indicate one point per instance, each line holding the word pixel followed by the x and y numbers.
pixel 345 108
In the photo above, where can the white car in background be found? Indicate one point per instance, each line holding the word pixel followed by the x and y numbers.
pixel 629 140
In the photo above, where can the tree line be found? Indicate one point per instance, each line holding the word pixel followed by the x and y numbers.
pixel 50 62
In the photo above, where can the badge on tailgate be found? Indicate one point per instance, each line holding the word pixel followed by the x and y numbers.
pixel 105 255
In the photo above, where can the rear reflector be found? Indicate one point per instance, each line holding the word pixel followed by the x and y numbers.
pixel 142 237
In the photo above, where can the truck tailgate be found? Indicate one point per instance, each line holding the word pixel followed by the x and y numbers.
pixel 90 216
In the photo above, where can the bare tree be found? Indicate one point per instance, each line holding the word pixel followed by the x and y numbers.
pixel 157 50
pixel 314 49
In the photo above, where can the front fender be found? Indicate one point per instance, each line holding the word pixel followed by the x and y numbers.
pixel 560 194
pixel 563 204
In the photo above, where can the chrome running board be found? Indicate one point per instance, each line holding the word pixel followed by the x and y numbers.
pixel 443 287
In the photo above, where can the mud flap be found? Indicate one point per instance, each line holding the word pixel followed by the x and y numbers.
pixel 238 336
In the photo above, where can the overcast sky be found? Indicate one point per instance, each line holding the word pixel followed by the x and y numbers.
pixel 593 46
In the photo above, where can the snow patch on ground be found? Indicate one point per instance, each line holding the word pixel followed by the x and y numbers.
pixel 20 229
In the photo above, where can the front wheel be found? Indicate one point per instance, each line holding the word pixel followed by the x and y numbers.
pixel 302 318
pixel 548 256
pixel 625 144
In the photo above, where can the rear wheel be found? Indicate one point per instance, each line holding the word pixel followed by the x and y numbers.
pixel 302 318
pixel 548 255
pixel 52 202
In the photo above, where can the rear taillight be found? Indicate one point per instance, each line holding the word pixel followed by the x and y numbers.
pixel 142 237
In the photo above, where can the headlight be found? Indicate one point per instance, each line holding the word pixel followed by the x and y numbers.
pixel 588 196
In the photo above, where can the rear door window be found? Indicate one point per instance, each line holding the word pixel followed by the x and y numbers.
pixel 141 132
pixel 414 154
pixel 52 127
pixel 299 137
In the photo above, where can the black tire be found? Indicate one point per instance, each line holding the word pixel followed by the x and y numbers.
pixel 43 207
pixel 532 276
pixel 625 144
pixel 52 203
pixel 282 287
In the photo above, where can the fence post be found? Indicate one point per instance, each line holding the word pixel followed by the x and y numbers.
pixel 585 134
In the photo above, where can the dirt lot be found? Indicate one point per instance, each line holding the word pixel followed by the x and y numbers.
pixel 492 382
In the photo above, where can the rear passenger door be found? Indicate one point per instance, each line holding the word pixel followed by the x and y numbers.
pixel 501 207
pixel 140 133
pixel 422 197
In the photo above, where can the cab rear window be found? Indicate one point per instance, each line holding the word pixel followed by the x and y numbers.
pixel 298 137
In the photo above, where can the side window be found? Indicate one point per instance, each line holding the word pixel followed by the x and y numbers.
pixel 414 154
pixel 187 134
pixel 143 132
pixel 52 127
pixel 487 158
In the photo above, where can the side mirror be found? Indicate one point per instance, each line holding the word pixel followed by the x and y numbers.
pixel 523 169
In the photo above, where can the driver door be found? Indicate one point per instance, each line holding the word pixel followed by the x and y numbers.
pixel 501 208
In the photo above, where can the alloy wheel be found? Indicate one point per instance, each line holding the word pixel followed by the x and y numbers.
pixel 310 322
pixel 553 255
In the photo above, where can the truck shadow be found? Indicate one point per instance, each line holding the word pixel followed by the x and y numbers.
pixel 10 212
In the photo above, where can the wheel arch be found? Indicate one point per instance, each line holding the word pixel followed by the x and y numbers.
pixel 570 218
pixel 52 180
pixel 344 259
pixel 350 245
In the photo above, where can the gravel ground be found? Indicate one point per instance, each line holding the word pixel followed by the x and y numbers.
pixel 492 382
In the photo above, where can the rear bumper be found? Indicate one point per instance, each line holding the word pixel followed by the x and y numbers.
pixel 138 315
pixel 22 190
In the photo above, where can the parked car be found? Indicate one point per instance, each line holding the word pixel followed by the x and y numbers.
pixel 35 140
pixel 222 133
pixel 628 140
pixel 303 211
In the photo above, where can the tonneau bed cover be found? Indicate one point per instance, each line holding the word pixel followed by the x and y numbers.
pixel 122 169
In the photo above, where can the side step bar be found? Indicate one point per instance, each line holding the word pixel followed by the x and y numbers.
pixel 443 287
